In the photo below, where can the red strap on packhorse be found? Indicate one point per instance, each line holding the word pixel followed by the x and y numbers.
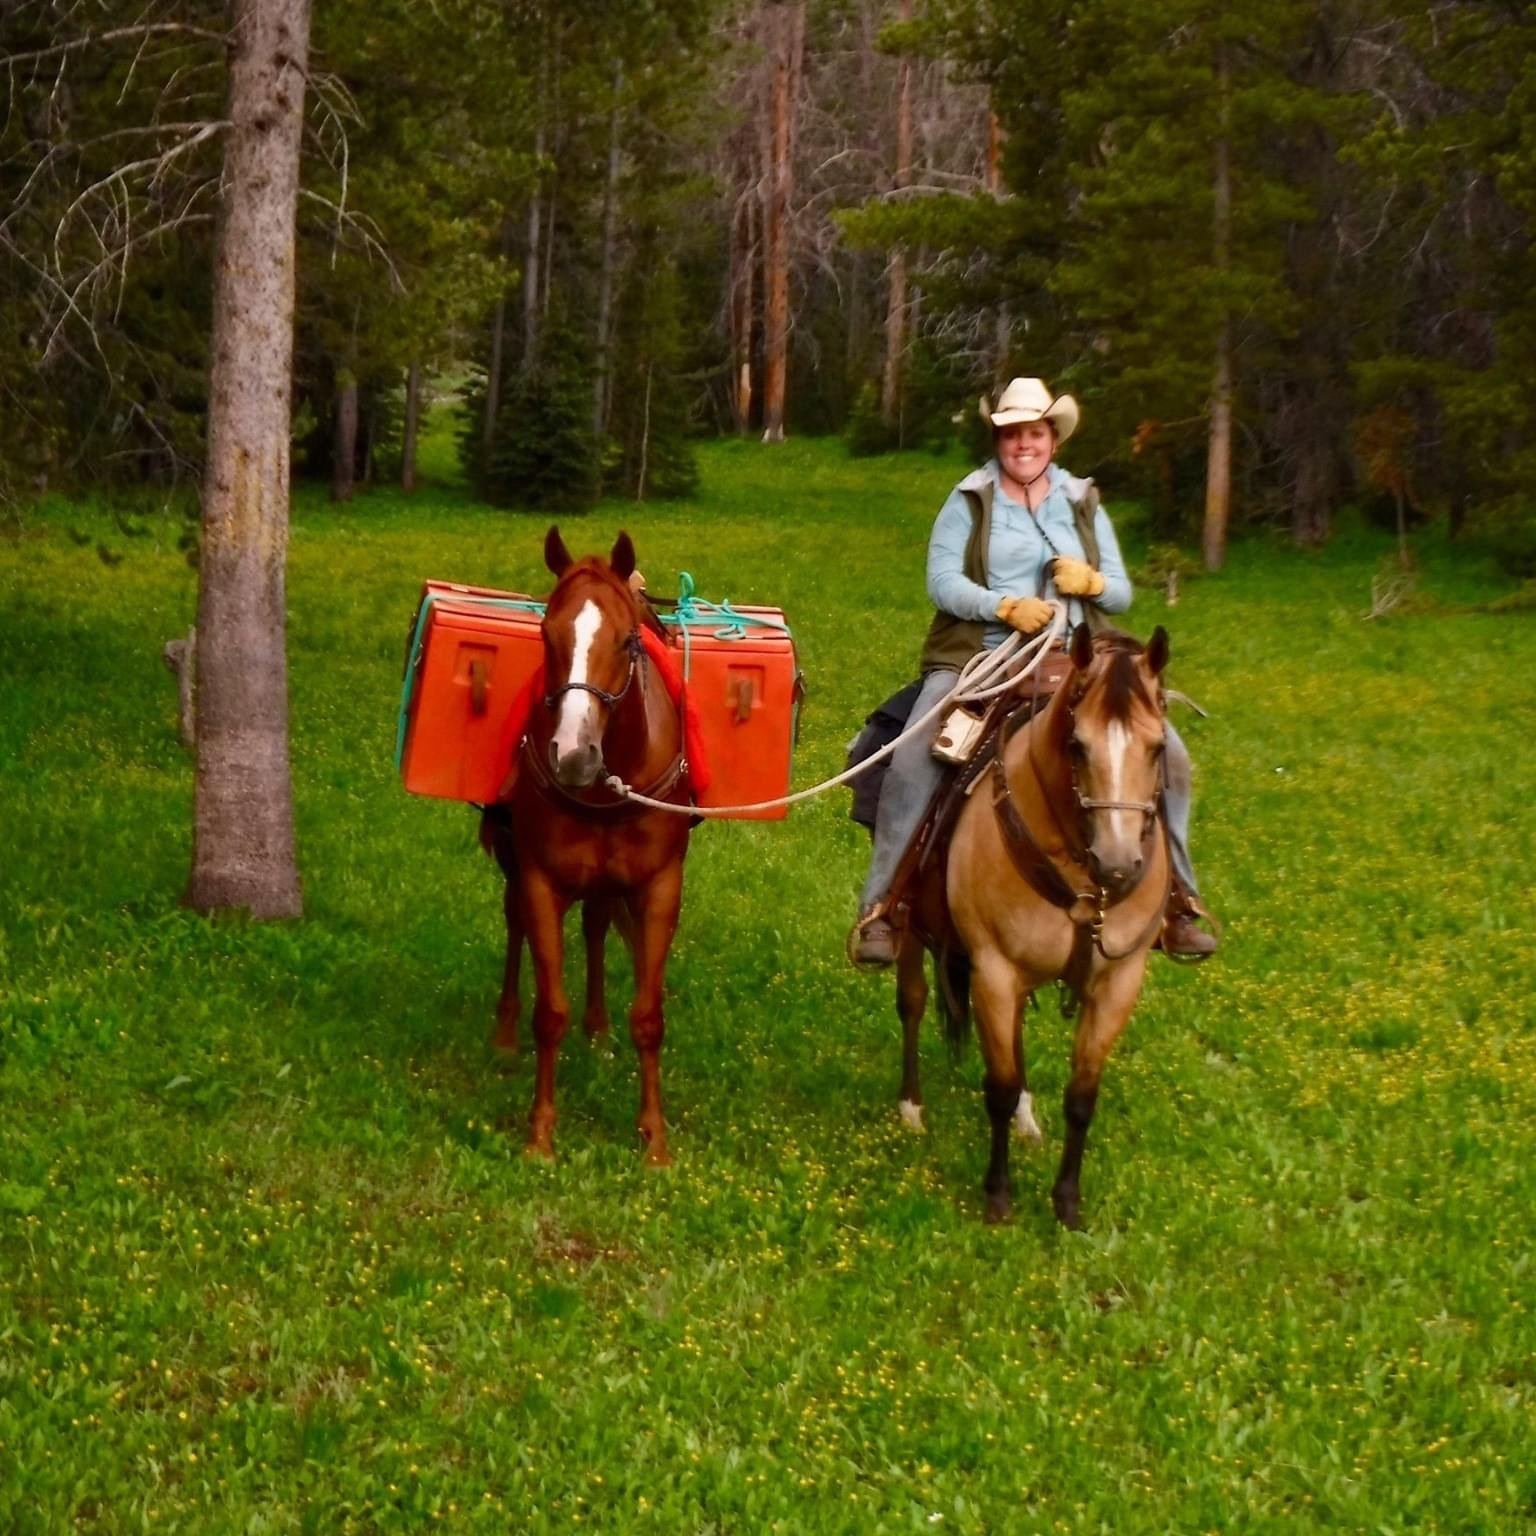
pixel 660 655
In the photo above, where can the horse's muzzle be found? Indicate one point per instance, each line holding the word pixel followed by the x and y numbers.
pixel 578 768
pixel 1115 870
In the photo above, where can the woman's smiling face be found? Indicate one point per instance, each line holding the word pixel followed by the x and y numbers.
pixel 1024 449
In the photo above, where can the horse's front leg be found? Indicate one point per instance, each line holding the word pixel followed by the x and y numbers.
pixel 596 917
pixel 508 1007
pixel 911 1001
pixel 996 995
pixel 1025 1126
pixel 654 907
pixel 1106 1011
pixel 543 907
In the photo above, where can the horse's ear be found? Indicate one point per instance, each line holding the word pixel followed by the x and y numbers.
pixel 623 557
pixel 1082 647
pixel 556 555
pixel 1157 651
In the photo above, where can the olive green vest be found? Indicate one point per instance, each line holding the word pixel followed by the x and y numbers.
pixel 953 641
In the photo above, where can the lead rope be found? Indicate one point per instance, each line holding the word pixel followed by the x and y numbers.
pixel 983 677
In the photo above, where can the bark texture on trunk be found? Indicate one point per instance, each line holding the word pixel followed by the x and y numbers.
pixel 896 290
pixel 243 843
pixel 785 25
pixel 412 427
pixel 1218 463
pixel 344 446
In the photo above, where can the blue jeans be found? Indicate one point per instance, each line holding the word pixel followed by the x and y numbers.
pixel 915 774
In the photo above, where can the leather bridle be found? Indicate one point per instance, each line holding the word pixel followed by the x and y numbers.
pixel 636 648
pixel 1088 909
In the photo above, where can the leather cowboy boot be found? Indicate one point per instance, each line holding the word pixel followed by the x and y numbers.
pixel 1183 938
pixel 872 940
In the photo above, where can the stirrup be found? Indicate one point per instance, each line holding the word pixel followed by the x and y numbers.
pixel 878 912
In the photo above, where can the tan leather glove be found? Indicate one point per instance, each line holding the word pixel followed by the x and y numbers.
pixel 1028 615
pixel 1076 578
pixel 637 582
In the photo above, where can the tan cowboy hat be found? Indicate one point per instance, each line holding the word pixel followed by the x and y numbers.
pixel 1031 400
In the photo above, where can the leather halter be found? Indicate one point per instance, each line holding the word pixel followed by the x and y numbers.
pixel 636 649
pixel 1045 875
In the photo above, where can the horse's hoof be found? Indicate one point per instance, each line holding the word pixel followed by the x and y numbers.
pixel 1067 1212
pixel 999 1209
pixel 656 1154
pixel 912 1115
pixel 596 1026
pixel 504 1038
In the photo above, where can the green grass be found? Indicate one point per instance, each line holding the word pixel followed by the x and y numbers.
pixel 272 1260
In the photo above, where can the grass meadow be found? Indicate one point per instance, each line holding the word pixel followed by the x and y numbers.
pixel 272 1260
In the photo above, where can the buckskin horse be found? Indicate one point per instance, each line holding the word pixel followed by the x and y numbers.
pixel 604 709
pixel 1057 870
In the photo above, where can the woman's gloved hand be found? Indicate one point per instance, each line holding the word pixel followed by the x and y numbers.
pixel 1028 615
pixel 1076 578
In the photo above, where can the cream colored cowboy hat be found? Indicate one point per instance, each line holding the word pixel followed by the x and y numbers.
pixel 1030 400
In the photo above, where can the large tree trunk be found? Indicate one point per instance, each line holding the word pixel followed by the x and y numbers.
pixel 243 845
pixel 896 290
pixel 610 262
pixel 1218 464
pixel 785 25
pixel 344 441
pixel 412 426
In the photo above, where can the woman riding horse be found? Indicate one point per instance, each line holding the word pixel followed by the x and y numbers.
pixel 1012 535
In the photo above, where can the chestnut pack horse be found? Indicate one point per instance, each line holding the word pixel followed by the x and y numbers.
pixel 568 838
pixel 1058 870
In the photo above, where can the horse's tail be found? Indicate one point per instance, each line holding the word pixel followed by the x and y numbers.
pixel 953 966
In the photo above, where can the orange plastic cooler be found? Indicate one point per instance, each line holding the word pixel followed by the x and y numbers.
pixel 472 650
pixel 746 687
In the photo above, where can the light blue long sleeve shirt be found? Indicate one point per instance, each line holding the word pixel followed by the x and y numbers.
pixel 1019 552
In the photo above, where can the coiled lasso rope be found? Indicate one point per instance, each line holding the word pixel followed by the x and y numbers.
pixel 983 677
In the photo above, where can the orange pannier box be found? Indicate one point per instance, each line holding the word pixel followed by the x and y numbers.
pixel 472 651
pixel 742 678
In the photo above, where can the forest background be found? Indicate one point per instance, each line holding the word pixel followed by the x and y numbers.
pixel 1292 239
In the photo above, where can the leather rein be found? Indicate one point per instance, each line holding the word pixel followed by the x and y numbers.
pixel 618 808
pixel 1087 909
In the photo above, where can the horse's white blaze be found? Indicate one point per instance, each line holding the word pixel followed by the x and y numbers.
pixel 1024 1123
pixel 1117 739
pixel 576 724
pixel 911 1115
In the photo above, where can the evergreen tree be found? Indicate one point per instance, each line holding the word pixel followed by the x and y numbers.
pixel 546 455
